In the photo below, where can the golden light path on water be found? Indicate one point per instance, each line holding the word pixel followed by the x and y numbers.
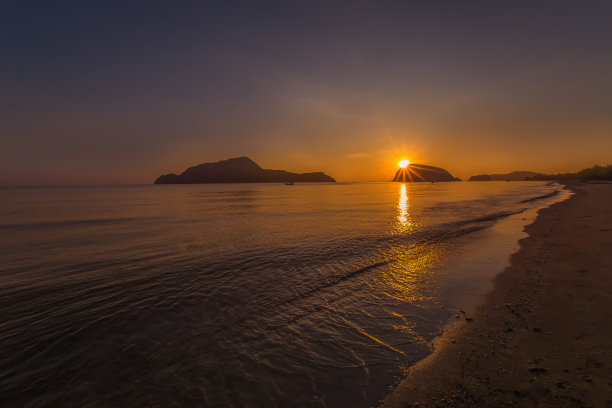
pixel 408 276
pixel 404 222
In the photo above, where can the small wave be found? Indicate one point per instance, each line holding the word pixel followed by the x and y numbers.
pixel 66 223
pixel 492 217
pixel 448 231
pixel 342 278
pixel 541 197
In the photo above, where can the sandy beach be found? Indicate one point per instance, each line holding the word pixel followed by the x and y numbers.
pixel 543 336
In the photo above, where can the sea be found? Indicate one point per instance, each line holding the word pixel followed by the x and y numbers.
pixel 242 295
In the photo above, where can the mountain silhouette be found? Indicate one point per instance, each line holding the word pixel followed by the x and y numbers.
pixel 596 172
pixel 514 176
pixel 423 172
pixel 237 170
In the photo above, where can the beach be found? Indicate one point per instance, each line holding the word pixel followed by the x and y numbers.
pixel 542 337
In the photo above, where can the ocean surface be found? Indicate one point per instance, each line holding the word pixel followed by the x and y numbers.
pixel 241 295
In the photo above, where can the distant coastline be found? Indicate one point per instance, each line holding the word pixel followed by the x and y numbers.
pixel 513 176
pixel 595 172
pixel 245 170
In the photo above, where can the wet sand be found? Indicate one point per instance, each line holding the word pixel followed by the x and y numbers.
pixel 543 336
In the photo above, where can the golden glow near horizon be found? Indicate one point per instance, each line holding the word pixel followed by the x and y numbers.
pixel 403 163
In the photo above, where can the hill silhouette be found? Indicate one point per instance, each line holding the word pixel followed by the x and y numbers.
pixel 423 173
pixel 591 173
pixel 513 176
pixel 238 170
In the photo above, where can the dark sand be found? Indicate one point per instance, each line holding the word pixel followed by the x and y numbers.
pixel 543 336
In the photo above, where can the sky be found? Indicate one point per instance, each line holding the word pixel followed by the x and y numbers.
pixel 119 92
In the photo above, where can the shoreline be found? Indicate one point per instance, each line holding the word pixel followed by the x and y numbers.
pixel 540 337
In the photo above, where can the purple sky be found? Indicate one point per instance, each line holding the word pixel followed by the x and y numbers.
pixel 120 92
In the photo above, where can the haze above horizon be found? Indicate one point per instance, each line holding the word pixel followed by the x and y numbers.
pixel 119 93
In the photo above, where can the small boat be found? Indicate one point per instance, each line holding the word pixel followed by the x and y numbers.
pixel 288 183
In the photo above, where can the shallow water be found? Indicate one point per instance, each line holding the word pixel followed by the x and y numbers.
pixel 244 295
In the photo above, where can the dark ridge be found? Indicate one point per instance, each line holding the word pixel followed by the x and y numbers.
pixel 513 176
pixel 423 173
pixel 238 170
pixel 592 173
pixel 481 177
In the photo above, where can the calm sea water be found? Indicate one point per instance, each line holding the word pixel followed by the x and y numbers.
pixel 244 295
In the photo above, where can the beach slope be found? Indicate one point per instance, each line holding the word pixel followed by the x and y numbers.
pixel 543 336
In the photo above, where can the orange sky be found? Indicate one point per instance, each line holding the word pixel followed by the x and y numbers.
pixel 369 155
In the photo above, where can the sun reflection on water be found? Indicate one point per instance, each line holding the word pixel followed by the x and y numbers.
pixel 410 275
pixel 404 221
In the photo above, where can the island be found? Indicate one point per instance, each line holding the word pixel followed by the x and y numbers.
pixel 422 173
pixel 238 170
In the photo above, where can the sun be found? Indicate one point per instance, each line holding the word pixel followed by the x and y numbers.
pixel 403 163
